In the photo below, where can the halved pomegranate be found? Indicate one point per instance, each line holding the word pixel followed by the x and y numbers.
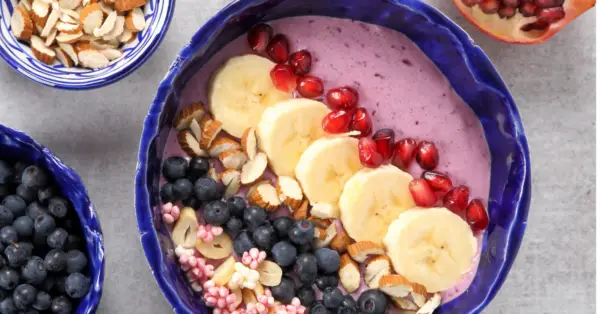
pixel 522 21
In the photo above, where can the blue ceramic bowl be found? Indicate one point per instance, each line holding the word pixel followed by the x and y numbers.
pixel 465 65
pixel 19 57
pixel 18 146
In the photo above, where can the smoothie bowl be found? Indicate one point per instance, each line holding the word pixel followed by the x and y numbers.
pixel 338 157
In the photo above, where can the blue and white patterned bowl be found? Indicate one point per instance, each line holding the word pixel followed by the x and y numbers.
pixel 18 146
pixel 18 56
pixel 466 66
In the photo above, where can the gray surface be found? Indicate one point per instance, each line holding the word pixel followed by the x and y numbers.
pixel 97 133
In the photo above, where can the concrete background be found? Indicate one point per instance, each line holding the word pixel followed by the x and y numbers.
pixel 97 134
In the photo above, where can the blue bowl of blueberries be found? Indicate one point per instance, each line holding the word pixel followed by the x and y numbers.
pixel 51 251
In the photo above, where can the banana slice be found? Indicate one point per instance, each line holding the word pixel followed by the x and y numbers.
pixel 224 272
pixel 325 166
pixel 184 231
pixel 432 247
pixel 240 92
pixel 220 247
pixel 287 129
pixel 270 273
pixel 372 199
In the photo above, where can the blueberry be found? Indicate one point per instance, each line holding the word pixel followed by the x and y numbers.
pixel 26 246
pixel 15 204
pixel 236 206
pixel 346 310
pixel 265 237
pixel 372 301
pixel 174 168
pixel 27 194
pixel 198 168
pixel 254 216
pixel 306 295
pixel 34 177
pixel 16 255
pixel 57 238
pixel 332 297
pixel 216 213
pixel 73 242
pixel 3 263
pixel 48 284
pixel 58 207
pixel 61 305
pixel 349 303
pixel 324 282
pixel 306 267
pixel 328 260
pixel 182 189
pixel 4 191
pixel 7 173
pixel 305 248
pixel 6 216
pixel 59 284
pixel 166 193
pixel 302 232
pixel 282 226
pixel 319 308
pixel 284 253
pixel 192 202
pixel 7 306
pixel 207 189
pixel 44 224
pixel 55 261
pixel 35 209
pixel 45 194
pixel 76 261
pixel 34 271
pixel 24 296
pixel 24 226
pixel 77 285
pixel 42 301
pixel 30 311
pixel 39 240
pixel 9 278
pixel 243 242
pixel 285 291
pixel 8 235
pixel 233 226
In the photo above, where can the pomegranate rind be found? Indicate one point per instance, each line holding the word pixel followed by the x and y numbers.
pixel 509 30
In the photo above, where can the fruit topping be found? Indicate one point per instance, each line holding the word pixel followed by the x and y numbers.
pixel 367 151
pixel 218 297
pixel 284 253
pixel 325 210
pixel 384 139
pixel 306 268
pixel 344 97
pixel 270 273
pixel 207 189
pixel 243 242
pixel 254 169
pixel 182 189
pixel 456 199
pixel 220 247
pixel 319 308
pixel 404 153
pixel 372 301
pixel 326 281
pixel 283 77
pixel 278 48
pixel 254 216
pixel 249 145
pixel 439 182
pixel 259 37
pixel 361 122
pixel 360 251
pixel 477 216
pixel 422 193
pixel 207 233
pixel 328 260
pixel 186 228
pixel 306 295
pixel 337 122
pixel 174 168
pixel 376 268
pixel 301 62
pixel 332 297
pixel 198 167
pixel 348 306
pixel 349 273
pixel 309 86
pixel 265 237
pixel 427 155
pixel 216 213
pixel 302 232
pixel 285 291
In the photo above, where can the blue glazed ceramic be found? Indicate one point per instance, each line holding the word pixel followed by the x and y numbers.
pixel 465 65
pixel 18 55
pixel 18 146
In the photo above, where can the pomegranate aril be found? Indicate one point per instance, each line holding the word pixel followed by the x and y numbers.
pixel 507 12
pixel 384 139
pixel 301 61
pixel 337 122
pixel 309 86
pixel 361 121
pixel 527 9
pixel 489 6
pixel 342 97
pixel 550 15
pixel 457 199
pixel 471 3
pixel 537 25
pixel 259 37
pixel 549 3
pixel 427 155
pixel 422 193
pixel 511 3
pixel 278 48
pixel 368 154
pixel 477 216
pixel 404 153
pixel 437 181
pixel 283 77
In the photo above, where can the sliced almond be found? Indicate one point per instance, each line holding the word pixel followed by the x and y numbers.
pixel 65 38
pixel 432 304
pixel 395 286
pixel 135 20
pixel 249 145
pixel 209 132
pixel 376 268
pixel 69 4
pixel 106 8
pixel 126 5
pixel 117 30
pixel 71 13
pixel 231 180
pixel 83 45
pixel 184 118
pixel 50 22
pixel 270 273
pixel 331 232
pixel 91 18
pixel 92 59
pixel 325 210
pixel 265 196
pixel 127 36
pixel 70 51
pixel 189 144
pixel 340 242
pixel 301 212
pixel 247 294
pixel 68 28
pixel 360 251
pixel 233 159
pixel 419 295
pixel 68 19
pixel 404 304
pixel 51 38
pixel 41 52
pixel 222 144
pixel 254 169
pixel 238 297
pixel 349 274
pixel 88 38
pixel 320 233
pixel 220 247
pixel 184 231
pixel 112 54
pixel 63 57
pixel 21 24
pixel 259 289
pixel 39 12
pixel 224 272
pixel 254 186
pixel 26 4
pixel 289 192
pixel 212 171
pixel 197 130
pixel 107 26
pixel 319 222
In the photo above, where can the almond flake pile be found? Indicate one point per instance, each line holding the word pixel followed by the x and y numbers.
pixel 78 33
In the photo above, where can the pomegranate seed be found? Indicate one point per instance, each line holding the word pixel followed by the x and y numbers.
pixel 511 3
pixel 368 154
pixel 361 121
pixel 456 200
pixel 337 122
pixel 489 6
pixel 301 61
pixel 507 12
pixel 471 3
pixel 528 9
pixel 278 48
pixel 549 3
pixel 477 217
pixel 384 139
pixel 427 155
pixel 404 153
pixel 550 15
pixel 310 86
pixel 438 181
pixel 422 193
pixel 343 97
pixel 283 77
pixel 537 25
pixel 259 36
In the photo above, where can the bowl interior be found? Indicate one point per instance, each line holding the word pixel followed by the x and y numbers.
pixel 468 70
pixel 18 55
pixel 15 146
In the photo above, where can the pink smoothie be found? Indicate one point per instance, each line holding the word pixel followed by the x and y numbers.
pixel 402 89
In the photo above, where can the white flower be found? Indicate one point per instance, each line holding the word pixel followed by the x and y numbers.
pixel 243 277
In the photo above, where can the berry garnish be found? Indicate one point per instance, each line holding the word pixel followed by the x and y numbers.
pixel 361 121
pixel 368 154
pixel 404 153
pixel 216 213
pixel 243 243
pixel 456 199
pixel 259 37
pixel 309 86
pixel 477 216
pixel 302 232
pixel 328 260
pixel 439 182
pixel 174 168
pixel 427 155
pixel 265 237
pixel 283 77
pixel 372 301
pixel 285 291
pixel 342 97
pixel 301 61
pixel 384 139
pixel 422 193
pixel 306 267
pixel 278 48
pixel 326 281
pixel 332 297
pixel 337 121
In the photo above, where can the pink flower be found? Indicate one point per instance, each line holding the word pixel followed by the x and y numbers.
pixel 207 233
pixel 253 258
pixel 294 308
pixel 264 304
pixel 219 297
pixel 170 213
pixel 196 268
